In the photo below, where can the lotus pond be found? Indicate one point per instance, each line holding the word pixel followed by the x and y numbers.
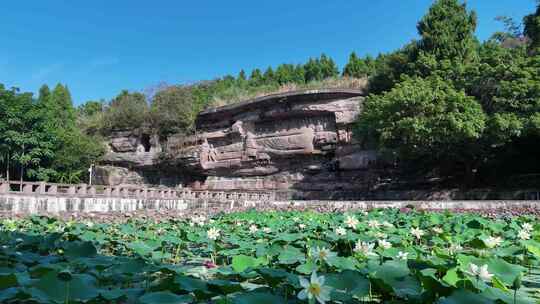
pixel 383 256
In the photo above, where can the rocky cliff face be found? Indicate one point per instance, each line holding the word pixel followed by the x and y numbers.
pixel 297 141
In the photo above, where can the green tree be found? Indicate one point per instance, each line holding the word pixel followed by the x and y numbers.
pixel 60 111
pixel 24 139
pixel 269 77
pixel 320 68
pixel 285 74
pixel 359 67
pixel 90 108
pixel 389 68
pixel 425 119
pixel 299 74
pixel 126 111
pixel 173 110
pixel 256 78
pixel 532 28
pixel 447 31
pixel 328 67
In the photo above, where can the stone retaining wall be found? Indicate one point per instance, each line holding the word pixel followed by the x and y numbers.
pixel 34 204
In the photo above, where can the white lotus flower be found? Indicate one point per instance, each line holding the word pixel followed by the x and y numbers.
pixel 351 221
pixel 340 231
pixel 253 229
pixel 199 220
pixel 213 233
pixel 364 248
pixel 296 219
pixel 373 224
pixel 492 242
pixel 89 224
pixel 238 224
pixel 380 235
pixel 455 248
pixel 417 232
pixel 387 224
pixel 322 254
pixel 527 227
pixel 384 244
pixel 437 230
pixel 267 230
pixel 402 255
pixel 314 289
pixel 524 235
pixel 301 226
pixel 480 272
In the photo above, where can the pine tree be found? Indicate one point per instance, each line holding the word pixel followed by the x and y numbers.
pixel 44 95
pixel 285 74
pixel 351 69
pixel 60 108
pixel 313 70
pixel 447 31
pixel 256 78
pixel 299 75
pixel 241 80
pixel 328 67
pixel 269 77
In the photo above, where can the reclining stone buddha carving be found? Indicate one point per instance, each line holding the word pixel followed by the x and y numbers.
pixel 263 136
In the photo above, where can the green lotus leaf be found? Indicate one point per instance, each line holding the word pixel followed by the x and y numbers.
pixel 50 287
pixel 348 282
pixel 80 249
pixel 242 262
pixel 291 255
pixel 342 262
pixel 466 296
pixel 165 297
pixel 258 297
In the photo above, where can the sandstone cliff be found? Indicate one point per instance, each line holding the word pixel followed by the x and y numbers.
pixel 300 141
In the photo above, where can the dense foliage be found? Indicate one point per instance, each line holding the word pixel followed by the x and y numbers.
pixel 40 139
pixel 448 102
pixel 278 257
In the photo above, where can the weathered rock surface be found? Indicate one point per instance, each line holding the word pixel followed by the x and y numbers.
pixel 300 141
pixel 295 140
pixel 113 175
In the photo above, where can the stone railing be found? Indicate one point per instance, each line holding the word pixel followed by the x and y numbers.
pixel 84 190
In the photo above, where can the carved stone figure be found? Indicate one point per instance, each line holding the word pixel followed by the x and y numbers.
pixel 296 141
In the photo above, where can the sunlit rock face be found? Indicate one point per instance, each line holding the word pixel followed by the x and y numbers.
pixel 132 157
pixel 301 140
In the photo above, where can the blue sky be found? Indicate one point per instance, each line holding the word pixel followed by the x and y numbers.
pixel 100 47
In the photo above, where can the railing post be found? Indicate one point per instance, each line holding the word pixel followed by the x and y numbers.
pixel 27 188
pixel 72 190
pixel 82 190
pixel 107 191
pixel 53 189
pixel 42 188
pixel 4 187
pixel 92 190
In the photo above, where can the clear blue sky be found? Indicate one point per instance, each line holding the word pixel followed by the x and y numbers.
pixel 100 47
